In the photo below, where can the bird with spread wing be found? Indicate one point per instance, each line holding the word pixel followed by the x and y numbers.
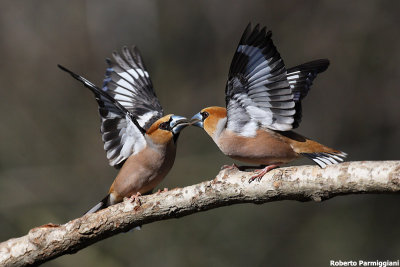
pixel 138 138
pixel 263 104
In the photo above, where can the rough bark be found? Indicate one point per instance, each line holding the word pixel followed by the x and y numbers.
pixel 302 183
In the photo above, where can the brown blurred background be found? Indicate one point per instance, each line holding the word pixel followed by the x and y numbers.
pixel 53 167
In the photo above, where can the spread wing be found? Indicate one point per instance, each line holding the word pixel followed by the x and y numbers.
pixel 258 93
pixel 118 115
pixel 127 103
pixel 300 79
pixel 128 82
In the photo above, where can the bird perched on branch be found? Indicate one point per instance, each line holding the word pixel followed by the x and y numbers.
pixel 137 137
pixel 263 104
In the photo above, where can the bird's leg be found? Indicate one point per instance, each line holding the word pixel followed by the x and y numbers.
pixel 261 173
pixel 230 167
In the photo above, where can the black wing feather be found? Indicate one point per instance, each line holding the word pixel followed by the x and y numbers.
pixel 301 78
pixel 127 104
pixel 257 84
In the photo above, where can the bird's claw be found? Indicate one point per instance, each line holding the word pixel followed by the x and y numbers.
pixel 260 173
pixel 257 177
pixel 162 191
pixel 134 197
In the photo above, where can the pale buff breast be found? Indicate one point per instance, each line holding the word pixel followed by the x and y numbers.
pixel 144 171
pixel 265 148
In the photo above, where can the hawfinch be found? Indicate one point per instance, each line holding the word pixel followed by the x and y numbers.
pixel 263 104
pixel 138 138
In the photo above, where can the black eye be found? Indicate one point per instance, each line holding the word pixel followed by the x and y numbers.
pixel 164 126
pixel 204 115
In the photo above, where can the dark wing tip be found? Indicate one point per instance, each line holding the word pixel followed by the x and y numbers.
pixel 66 70
pixel 256 36
pixel 323 65
pixel 83 80
pixel 138 56
pixel 98 92
pixel 246 33
pixel 115 55
pixel 317 66
pixel 301 78
pixel 135 50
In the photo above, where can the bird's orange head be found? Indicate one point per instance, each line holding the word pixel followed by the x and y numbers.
pixel 211 119
pixel 167 128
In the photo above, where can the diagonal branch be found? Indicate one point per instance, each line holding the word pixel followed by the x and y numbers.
pixel 302 183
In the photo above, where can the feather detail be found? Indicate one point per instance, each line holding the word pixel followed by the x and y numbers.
pixel 127 105
pixel 300 79
pixel 258 93
pixel 325 159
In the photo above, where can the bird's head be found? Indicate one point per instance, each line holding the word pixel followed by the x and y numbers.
pixel 167 128
pixel 211 119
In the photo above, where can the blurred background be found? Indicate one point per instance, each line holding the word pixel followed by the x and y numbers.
pixel 53 167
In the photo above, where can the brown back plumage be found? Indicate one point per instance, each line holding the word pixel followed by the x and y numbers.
pixel 320 154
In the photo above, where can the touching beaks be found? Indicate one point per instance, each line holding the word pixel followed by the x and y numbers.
pixel 178 123
pixel 197 120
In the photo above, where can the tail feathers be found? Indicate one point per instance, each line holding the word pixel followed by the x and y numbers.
pixel 104 203
pixel 324 159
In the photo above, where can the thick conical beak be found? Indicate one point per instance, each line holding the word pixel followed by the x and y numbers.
pixel 178 123
pixel 197 120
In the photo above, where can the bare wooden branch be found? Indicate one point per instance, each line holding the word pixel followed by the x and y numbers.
pixel 303 183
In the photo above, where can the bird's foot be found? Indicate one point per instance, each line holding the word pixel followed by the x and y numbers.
pixel 229 167
pixel 134 197
pixel 260 173
pixel 162 191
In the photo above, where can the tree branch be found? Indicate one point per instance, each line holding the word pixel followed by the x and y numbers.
pixel 302 183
